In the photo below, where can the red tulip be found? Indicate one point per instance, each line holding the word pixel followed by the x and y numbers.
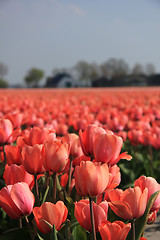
pixel 55 156
pixel 107 149
pixel 52 213
pixel 82 213
pixel 6 130
pixel 17 200
pixel 117 230
pixel 153 186
pixel 15 173
pixel 91 179
pixel 87 138
pixel 13 154
pixel 129 204
pixel 32 159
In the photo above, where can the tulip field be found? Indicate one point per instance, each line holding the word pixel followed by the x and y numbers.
pixel 79 164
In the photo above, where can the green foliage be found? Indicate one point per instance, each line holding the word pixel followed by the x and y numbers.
pixel 33 77
pixel 3 83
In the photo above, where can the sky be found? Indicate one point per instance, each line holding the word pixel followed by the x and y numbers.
pixel 49 34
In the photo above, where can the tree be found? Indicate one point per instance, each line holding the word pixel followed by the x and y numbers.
pixel 150 69
pixel 3 83
pixel 3 69
pixel 114 68
pixel 138 69
pixel 33 77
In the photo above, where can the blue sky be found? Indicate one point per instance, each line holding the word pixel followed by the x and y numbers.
pixel 50 34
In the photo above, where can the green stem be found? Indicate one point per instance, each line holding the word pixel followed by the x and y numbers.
pixel 29 228
pixel 54 187
pixel 69 176
pixel 92 219
pixel 36 190
pixel 20 222
pixel 133 229
pixel 4 153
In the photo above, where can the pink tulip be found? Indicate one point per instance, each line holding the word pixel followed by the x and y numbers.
pixel 6 130
pixel 17 200
pixel 82 213
pixel 153 186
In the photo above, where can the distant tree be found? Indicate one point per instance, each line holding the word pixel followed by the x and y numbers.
pixel 59 70
pixel 114 68
pixel 3 83
pixel 138 69
pixel 150 69
pixel 33 77
pixel 3 69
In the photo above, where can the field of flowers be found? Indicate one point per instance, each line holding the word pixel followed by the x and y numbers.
pixel 79 163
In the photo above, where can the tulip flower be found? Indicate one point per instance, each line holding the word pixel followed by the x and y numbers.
pixel 153 186
pixel 17 200
pixel 6 130
pixel 114 177
pixel 55 156
pixel 87 138
pixel 82 213
pixel 52 213
pixel 91 179
pixel 117 230
pixel 36 136
pixel 75 147
pixel 128 204
pixel 32 159
pixel 13 154
pixel 107 149
pixel 14 174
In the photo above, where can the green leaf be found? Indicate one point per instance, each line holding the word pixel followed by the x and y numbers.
pixel 79 233
pixel 142 221
pixel 54 233
pixel 14 234
pixel 45 195
pixel 40 238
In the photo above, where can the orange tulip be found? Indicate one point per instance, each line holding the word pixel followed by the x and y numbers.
pixel 36 136
pixel 117 230
pixel 107 149
pixel 87 138
pixel 55 156
pixel 17 200
pixel 82 213
pixel 75 147
pixel 52 213
pixel 114 177
pixel 91 179
pixel 15 173
pixel 6 130
pixel 32 159
pixel 128 204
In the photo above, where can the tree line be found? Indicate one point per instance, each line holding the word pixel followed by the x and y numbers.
pixel 84 71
